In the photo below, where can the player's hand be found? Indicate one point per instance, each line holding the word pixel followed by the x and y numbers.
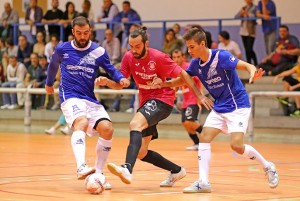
pixel 124 82
pixel 101 81
pixel 49 89
pixel 157 83
pixel 256 75
pixel 206 102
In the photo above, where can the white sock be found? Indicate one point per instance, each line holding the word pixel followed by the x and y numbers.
pixel 78 146
pixel 102 150
pixel 204 155
pixel 252 154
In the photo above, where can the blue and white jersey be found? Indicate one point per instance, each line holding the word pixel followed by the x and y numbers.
pixel 79 69
pixel 219 76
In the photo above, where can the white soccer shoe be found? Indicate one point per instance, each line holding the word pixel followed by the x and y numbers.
pixel 192 148
pixel 198 187
pixel 107 186
pixel 172 178
pixel 272 175
pixel 121 172
pixel 83 171
pixel 65 130
pixel 50 131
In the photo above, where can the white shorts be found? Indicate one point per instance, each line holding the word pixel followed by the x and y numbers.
pixel 231 122
pixel 74 107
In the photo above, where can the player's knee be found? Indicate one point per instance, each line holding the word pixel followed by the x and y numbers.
pixel 81 123
pixel 135 125
pixel 204 138
pixel 142 153
pixel 237 147
pixel 105 129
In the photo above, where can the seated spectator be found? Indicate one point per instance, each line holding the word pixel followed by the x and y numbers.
pixel 2 76
pixel 15 74
pixel 93 36
pixel 10 50
pixel 8 17
pixel 171 42
pixel 39 46
pixel 88 12
pixel 53 16
pixel 69 14
pixel 126 15
pixel 112 47
pixel 34 14
pixel 176 28
pixel 60 122
pixel 24 50
pixel 291 84
pixel 284 55
pixel 29 79
pixel 210 43
pixel 40 80
pixel 2 53
pixel 50 46
pixel 125 46
pixel 227 44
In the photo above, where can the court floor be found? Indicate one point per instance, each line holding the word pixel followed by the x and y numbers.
pixel 38 167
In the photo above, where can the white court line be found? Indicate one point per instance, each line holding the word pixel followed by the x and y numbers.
pixel 24 180
pixel 294 169
pixel 164 193
pixel 234 170
pixel 45 179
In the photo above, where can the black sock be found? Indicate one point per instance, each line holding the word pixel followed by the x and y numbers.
pixel 161 162
pixel 194 137
pixel 199 129
pixel 133 149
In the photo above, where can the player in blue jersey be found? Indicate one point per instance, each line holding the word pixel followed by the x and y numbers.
pixel 79 61
pixel 216 70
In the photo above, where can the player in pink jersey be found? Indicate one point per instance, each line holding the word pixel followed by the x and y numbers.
pixel 148 67
pixel 190 108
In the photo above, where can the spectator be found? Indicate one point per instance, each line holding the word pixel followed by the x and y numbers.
pixel 112 46
pixel 24 50
pixel 285 53
pixel 8 17
pixel 53 16
pixel 40 80
pixel 94 36
pixel 39 46
pixel 60 122
pixel 248 30
pixel 108 12
pixel 227 44
pixel 267 9
pixel 50 46
pixel 171 42
pixel 34 14
pixel 69 14
pixel 176 28
pixel 2 76
pixel 87 12
pixel 2 53
pixel 126 15
pixel 125 46
pixel 15 74
pixel 291 84
pixel 10 50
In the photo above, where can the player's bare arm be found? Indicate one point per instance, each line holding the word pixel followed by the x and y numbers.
pixel 203 100
pixel 104 81
pixel 49 89
pixel 255 74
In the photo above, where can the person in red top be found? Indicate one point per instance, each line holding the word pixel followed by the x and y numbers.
pixel 148 67
pixel 190 109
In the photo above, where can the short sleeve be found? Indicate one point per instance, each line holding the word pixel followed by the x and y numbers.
pixel 192 69
pixel 125 67
pixel 169 68
pixel 227 60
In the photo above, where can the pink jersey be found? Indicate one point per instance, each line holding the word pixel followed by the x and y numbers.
pixel 156 64
pixel 189 97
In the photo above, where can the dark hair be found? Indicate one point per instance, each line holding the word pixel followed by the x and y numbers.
pixel 141 31
pixel 68 4
pixel 177 51
pixel 80 21
pixel 285 27
pixel 126 2
pixel 196 34
pixel 42 56
pixel 225 35
pixel 9 41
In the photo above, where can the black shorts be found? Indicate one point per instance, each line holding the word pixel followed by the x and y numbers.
pixel 292 81
pixel 190 113
pixel 154 111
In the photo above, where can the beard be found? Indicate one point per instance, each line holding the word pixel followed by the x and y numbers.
pixel 141 55
pixel 81 43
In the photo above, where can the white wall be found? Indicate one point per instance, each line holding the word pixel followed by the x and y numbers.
pixel 191 9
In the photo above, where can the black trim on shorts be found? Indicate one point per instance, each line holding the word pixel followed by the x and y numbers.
pixel 152 130
pixel 192 115
pixel 98 121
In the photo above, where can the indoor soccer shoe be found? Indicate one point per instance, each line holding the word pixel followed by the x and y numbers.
pixel 272 175
pixel 107 186
pixel 172 178
pixel 83 171
pixel 192 148
pixel 198 187
pixel 121 172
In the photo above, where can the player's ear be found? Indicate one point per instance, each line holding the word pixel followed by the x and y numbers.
pixel 147 43
pixel 73 32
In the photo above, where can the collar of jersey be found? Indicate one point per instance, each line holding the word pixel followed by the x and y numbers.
pixel 81 49
pixel 203 64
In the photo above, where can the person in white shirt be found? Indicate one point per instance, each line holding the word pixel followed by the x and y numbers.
pixel 227 44
pixel 50 46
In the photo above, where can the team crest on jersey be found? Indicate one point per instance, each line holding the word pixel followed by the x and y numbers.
pixel 199 71
pixel 88 59
pixel 231 58
pixel 211 72
pixel 152 65
pixel 66 55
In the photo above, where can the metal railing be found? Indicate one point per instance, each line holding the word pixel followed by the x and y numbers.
pixel 163 22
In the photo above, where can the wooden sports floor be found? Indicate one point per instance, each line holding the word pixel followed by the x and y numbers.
pixel 38 167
